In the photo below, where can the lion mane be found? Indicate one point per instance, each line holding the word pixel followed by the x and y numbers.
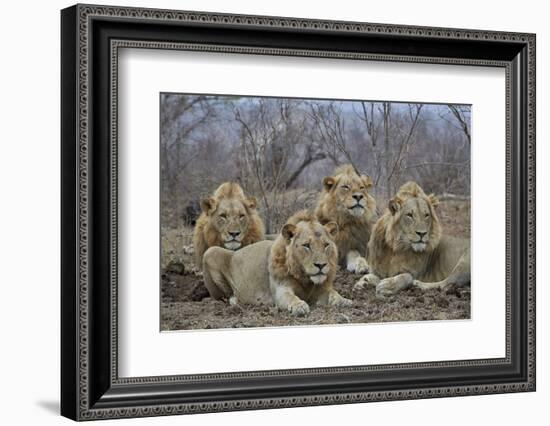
pixel 228 219
pixel 344 189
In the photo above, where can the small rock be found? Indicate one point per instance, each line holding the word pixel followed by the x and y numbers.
pixel 199 292
pixel 175 267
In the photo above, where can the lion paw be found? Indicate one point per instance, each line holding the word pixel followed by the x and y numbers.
pixel 345 302
pixel 366 281
pixel 386 287
pixel 361 266
pixel 338 300
pixel 300 308
pixel 391 286
pixel 358 266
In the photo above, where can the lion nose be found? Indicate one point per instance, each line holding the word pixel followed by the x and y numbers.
pixel 320 265
pixel 358 197
pixel 234 234
pixel 421 234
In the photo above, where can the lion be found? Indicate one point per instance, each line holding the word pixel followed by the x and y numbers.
pixel 293 272
pixel 345 200
pixel 408 247
pixel 228 219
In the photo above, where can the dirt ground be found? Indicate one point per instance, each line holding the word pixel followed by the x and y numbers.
pixel 186 305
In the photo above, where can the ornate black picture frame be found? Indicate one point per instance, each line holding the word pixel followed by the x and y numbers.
pixel 90 38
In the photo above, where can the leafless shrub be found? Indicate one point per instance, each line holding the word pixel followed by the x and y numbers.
pixel 279 149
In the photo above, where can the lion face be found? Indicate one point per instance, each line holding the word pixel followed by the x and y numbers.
pixel 311 251
pixel 349 192
pixel 414 219
pixel 230 218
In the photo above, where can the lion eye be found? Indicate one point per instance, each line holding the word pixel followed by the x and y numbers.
pixel 307 246
pixel 223 216
pixel 345 187
pixel 361 188
pixel 241 216
pixel 410 215
pixel 427 215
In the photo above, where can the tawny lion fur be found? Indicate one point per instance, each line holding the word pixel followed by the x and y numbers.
pixel 293 272
pixel 354 225
pixel 408 246
pixel 228 210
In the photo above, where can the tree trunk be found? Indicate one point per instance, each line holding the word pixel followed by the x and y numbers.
pixel 305 163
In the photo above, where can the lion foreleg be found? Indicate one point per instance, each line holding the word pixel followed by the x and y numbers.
pixel 331 297
pixel 392 285
pixel 286 300
pixel 215 263
pixel 459 276
pixel 356 263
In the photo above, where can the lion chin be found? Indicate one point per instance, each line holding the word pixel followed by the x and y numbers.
pixel 356 211
pixel 318 278
pixel 418 247
pixel 232 245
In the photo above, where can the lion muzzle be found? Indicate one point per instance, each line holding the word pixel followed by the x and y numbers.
pixel 319 276
pixel 232 240
pixel 420 245
pixel 358 208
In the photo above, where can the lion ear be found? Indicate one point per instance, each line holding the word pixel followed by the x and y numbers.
pixel 328 182
pixel 394 205
pixel 288 231
pixel 434 201
pixel 332 228
pixel 367 181
pixel 208 205
pixel 251 202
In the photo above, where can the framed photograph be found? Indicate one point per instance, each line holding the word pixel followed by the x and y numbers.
pixel 263 212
